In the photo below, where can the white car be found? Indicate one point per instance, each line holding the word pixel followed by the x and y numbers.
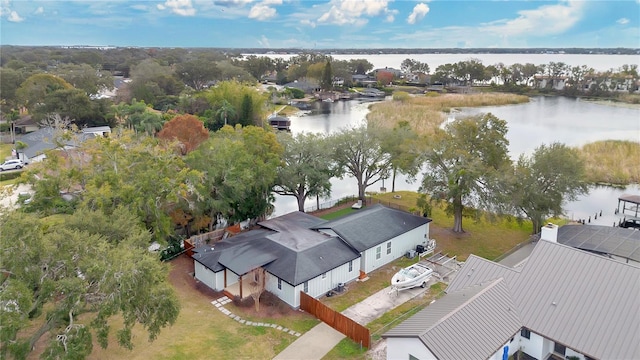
pixel 11 165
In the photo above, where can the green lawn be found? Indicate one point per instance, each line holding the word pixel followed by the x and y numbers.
pixel 337 214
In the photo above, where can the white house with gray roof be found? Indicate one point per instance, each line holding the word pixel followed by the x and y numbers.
pixel 563 302
pixel 301 252
pixel 379 234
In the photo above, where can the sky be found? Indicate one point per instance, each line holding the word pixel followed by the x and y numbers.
pixel 322 24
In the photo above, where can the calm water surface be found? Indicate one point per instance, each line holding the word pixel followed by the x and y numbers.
pixel 542 121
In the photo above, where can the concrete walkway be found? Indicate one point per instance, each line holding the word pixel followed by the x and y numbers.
pixel 317 342
pixel 314 344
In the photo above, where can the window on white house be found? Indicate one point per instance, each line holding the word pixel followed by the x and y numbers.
pixel 389 248
pixel 378 252
pixel 559 348
pixel 324 275
pixel 279 284
pixel 351 266
pixel 525 333
pixel 306 286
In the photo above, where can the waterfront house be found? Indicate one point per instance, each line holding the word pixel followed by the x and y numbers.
pixel 301 252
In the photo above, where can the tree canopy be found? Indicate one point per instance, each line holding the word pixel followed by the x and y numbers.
pixel 239 166
pixel 67 280
pixel 188 130
pixel 358 152
pixel 306 169
pixel 542 182
pixel 464 163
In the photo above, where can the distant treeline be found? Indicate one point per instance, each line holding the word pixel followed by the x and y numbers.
pixel 606 51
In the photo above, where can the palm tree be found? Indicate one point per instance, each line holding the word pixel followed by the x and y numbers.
pixel 225 110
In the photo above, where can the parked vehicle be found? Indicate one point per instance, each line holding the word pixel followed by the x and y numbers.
pixel 11 165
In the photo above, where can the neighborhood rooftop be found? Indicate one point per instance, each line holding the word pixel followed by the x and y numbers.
pixel 585 301
pixel 288 250
pixel 373 225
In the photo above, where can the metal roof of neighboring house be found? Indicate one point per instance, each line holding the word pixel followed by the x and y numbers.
pixel 285 247
pixel 373 225
pixel 584 301
pixel 616 241
pixel 464 315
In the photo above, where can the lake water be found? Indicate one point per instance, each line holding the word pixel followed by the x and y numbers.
pixel 596 61
pixel 543 120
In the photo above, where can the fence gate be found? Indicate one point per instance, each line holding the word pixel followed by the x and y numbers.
pixel 345 325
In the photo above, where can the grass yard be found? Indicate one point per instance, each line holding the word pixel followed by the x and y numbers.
pixel 5 151
pixel 484 238
pixel 203 332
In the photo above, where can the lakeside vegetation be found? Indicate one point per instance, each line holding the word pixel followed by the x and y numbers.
pixel 425 113
pixel 614 162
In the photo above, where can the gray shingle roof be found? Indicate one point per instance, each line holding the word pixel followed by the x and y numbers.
pixel 285 247
pixel 373 225
pixel 602 239
pixel 585 301
pixel 41 140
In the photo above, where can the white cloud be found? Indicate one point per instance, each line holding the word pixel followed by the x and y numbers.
pixel 233 3
pixel 623 21
pixel 264 42
pixel 418 13
pixel 6 11
pixel 262 12
pixel 140 7
pixel 39 10
pixel 351 12
pixel 179 7
pixel 308 22
pixel 545 20
pixel 14 17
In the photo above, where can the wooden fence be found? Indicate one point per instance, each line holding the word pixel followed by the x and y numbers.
pixel 197 240
pixel 350 328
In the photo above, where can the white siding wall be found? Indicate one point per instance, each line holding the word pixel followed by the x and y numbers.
pixel 232 277
pixel 532 346
pixel 205 275
pixel 401 348
pixel 317 286
pixel 286 293
pixel 399 246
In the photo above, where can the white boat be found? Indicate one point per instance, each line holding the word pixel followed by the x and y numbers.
pixel 411 276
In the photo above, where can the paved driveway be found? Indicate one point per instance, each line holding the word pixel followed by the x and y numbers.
pixel 317 342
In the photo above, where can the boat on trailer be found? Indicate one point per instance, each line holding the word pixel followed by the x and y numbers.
pixel 412 276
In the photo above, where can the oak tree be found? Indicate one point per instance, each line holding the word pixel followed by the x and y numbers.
pixel 306 168
pixel 359 153
pixel 542 182
pixel 463 164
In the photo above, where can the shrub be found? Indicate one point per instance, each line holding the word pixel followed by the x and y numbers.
pixel 401 96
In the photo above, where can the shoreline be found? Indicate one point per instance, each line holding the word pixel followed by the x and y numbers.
pixel 612 103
